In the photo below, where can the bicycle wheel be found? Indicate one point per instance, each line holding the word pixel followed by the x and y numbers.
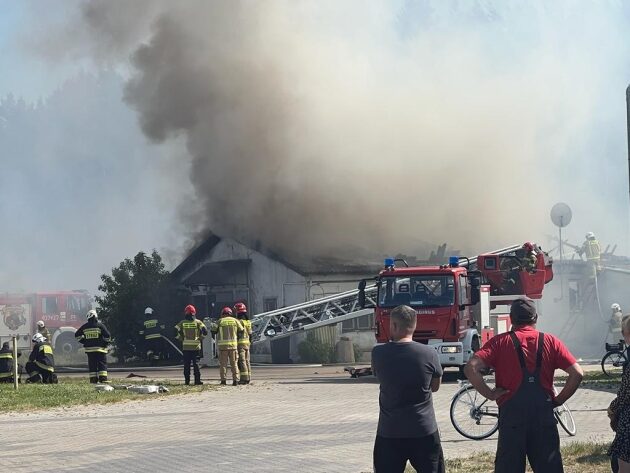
pixel 612 363
pixel 472 415
pixel 565 418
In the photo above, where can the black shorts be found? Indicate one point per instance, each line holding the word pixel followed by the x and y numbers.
pixel 424 454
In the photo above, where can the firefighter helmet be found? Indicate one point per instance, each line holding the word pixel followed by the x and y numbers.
pixel 239 308
pixel 590 236
pixel 38 338
pixel 528 245
pixel 91 315
pixel 190 310
pixel 40 323
pixel 226 311
pixel 616 307
pixel 148 311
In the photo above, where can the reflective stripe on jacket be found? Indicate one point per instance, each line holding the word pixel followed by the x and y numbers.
pixel 94 337
pixel 6 363
pixel 191 332
pixel 152 329
pixel 592 250
pixel 227 330
pixel 243 337
pixel 42 356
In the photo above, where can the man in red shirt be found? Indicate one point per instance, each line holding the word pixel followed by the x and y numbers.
pixel 524 361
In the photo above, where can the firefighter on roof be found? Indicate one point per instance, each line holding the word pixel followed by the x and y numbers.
pixel 592 250
pixel 152 332
pixel 190 332
pixel 244 342
pixel 95 338
pixel 227 331
pixel 41 363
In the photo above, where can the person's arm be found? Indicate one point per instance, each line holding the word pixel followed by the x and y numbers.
pixel 573 382
pixel 473 370
pixel 435 383
pixel 436 378
pixel 204 330
pixel 107 337
pixel 79 335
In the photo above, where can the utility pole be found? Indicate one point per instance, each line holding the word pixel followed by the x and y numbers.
pixel 628 131
pixel 15 363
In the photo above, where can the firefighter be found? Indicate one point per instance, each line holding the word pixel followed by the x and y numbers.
pixel 6 363
pixel 531 258
pixel 152 335
pixel 615 322
pixel 227 331
pixel 591 248
pixel 41 363
pixel 95 338
pixel 191 331
pixel 41 328
pixel 244 342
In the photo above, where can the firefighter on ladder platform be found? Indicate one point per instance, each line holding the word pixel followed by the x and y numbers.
pixel 152 335
pixel 95 338
pixel 190 332
pixel 244 343
pixel 592 250
pixel 227 331
pixel 41 363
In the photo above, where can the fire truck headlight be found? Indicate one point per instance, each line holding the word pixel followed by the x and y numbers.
pixel 451 349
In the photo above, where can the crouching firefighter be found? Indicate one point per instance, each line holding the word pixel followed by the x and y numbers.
pixel 95 338
pixel 244 342
pixel 41 363
pixel 190 332
pixel 6 363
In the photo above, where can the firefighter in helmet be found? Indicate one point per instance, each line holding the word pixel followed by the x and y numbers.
pixel 41 328
pixel 244 342
pixel 190 331
pixel 41 363
pixel 95 338
pixel 227 331
pixel 592 250
pixel 152 332
pixel 530 258
pixel 615 322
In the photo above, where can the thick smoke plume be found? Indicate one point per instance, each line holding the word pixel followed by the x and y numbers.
pixel 314 127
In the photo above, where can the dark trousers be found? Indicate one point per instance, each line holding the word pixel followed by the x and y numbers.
pixel 424 454
pixel 540 444
pixel 39 375
pixel 97 364
pixel 191 357
pixel 8 379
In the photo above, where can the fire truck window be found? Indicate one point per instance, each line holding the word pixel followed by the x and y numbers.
pixel 417 291
pixel 490 263
pixel 49 305
pixel 463 293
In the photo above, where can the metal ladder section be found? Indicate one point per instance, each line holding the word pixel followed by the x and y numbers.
pixel 313 314
pixel 327 310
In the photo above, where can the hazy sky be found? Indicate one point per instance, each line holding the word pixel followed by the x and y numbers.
pixel 481 114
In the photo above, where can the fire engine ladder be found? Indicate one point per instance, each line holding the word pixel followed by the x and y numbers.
pixel 311 315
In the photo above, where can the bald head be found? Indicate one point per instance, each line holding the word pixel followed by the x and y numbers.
pixel 402 322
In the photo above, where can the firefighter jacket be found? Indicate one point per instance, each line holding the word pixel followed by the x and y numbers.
pixel 46 334
pixel 592 250
pixel 6 363
pixel 152 329
pixel 190 332
pixel 42 356
pixel 94 337
pixel 243 336
pixel 530 261
pixel 227 330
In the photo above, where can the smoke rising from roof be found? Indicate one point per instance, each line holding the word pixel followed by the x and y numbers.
pixel 313 127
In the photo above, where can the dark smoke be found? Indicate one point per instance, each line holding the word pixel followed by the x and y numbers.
pixel 314 127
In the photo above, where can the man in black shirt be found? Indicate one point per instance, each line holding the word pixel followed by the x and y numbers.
pixel 408 372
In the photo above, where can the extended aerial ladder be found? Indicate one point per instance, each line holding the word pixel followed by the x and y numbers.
pixel 329 310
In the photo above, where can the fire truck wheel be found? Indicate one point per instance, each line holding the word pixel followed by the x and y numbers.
pixel 66 344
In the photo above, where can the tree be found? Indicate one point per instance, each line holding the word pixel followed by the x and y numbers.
pixel 132 286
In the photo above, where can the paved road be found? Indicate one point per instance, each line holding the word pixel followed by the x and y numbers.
pixel 310 422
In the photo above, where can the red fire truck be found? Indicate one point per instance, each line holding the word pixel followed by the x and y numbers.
pixel 453 301
pixel 62 312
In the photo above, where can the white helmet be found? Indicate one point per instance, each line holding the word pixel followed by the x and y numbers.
pixel 91 314
pixel 590 236
pixel 38 338
pixel 615 306
pixel 40 324
pixel 148 310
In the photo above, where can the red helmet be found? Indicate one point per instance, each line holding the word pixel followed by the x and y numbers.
pixel 190 310
pixel 226 310
pixel 239 307
pixel 528 245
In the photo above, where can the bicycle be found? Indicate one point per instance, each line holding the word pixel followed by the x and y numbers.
pixel 477 418
pixel 614 359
